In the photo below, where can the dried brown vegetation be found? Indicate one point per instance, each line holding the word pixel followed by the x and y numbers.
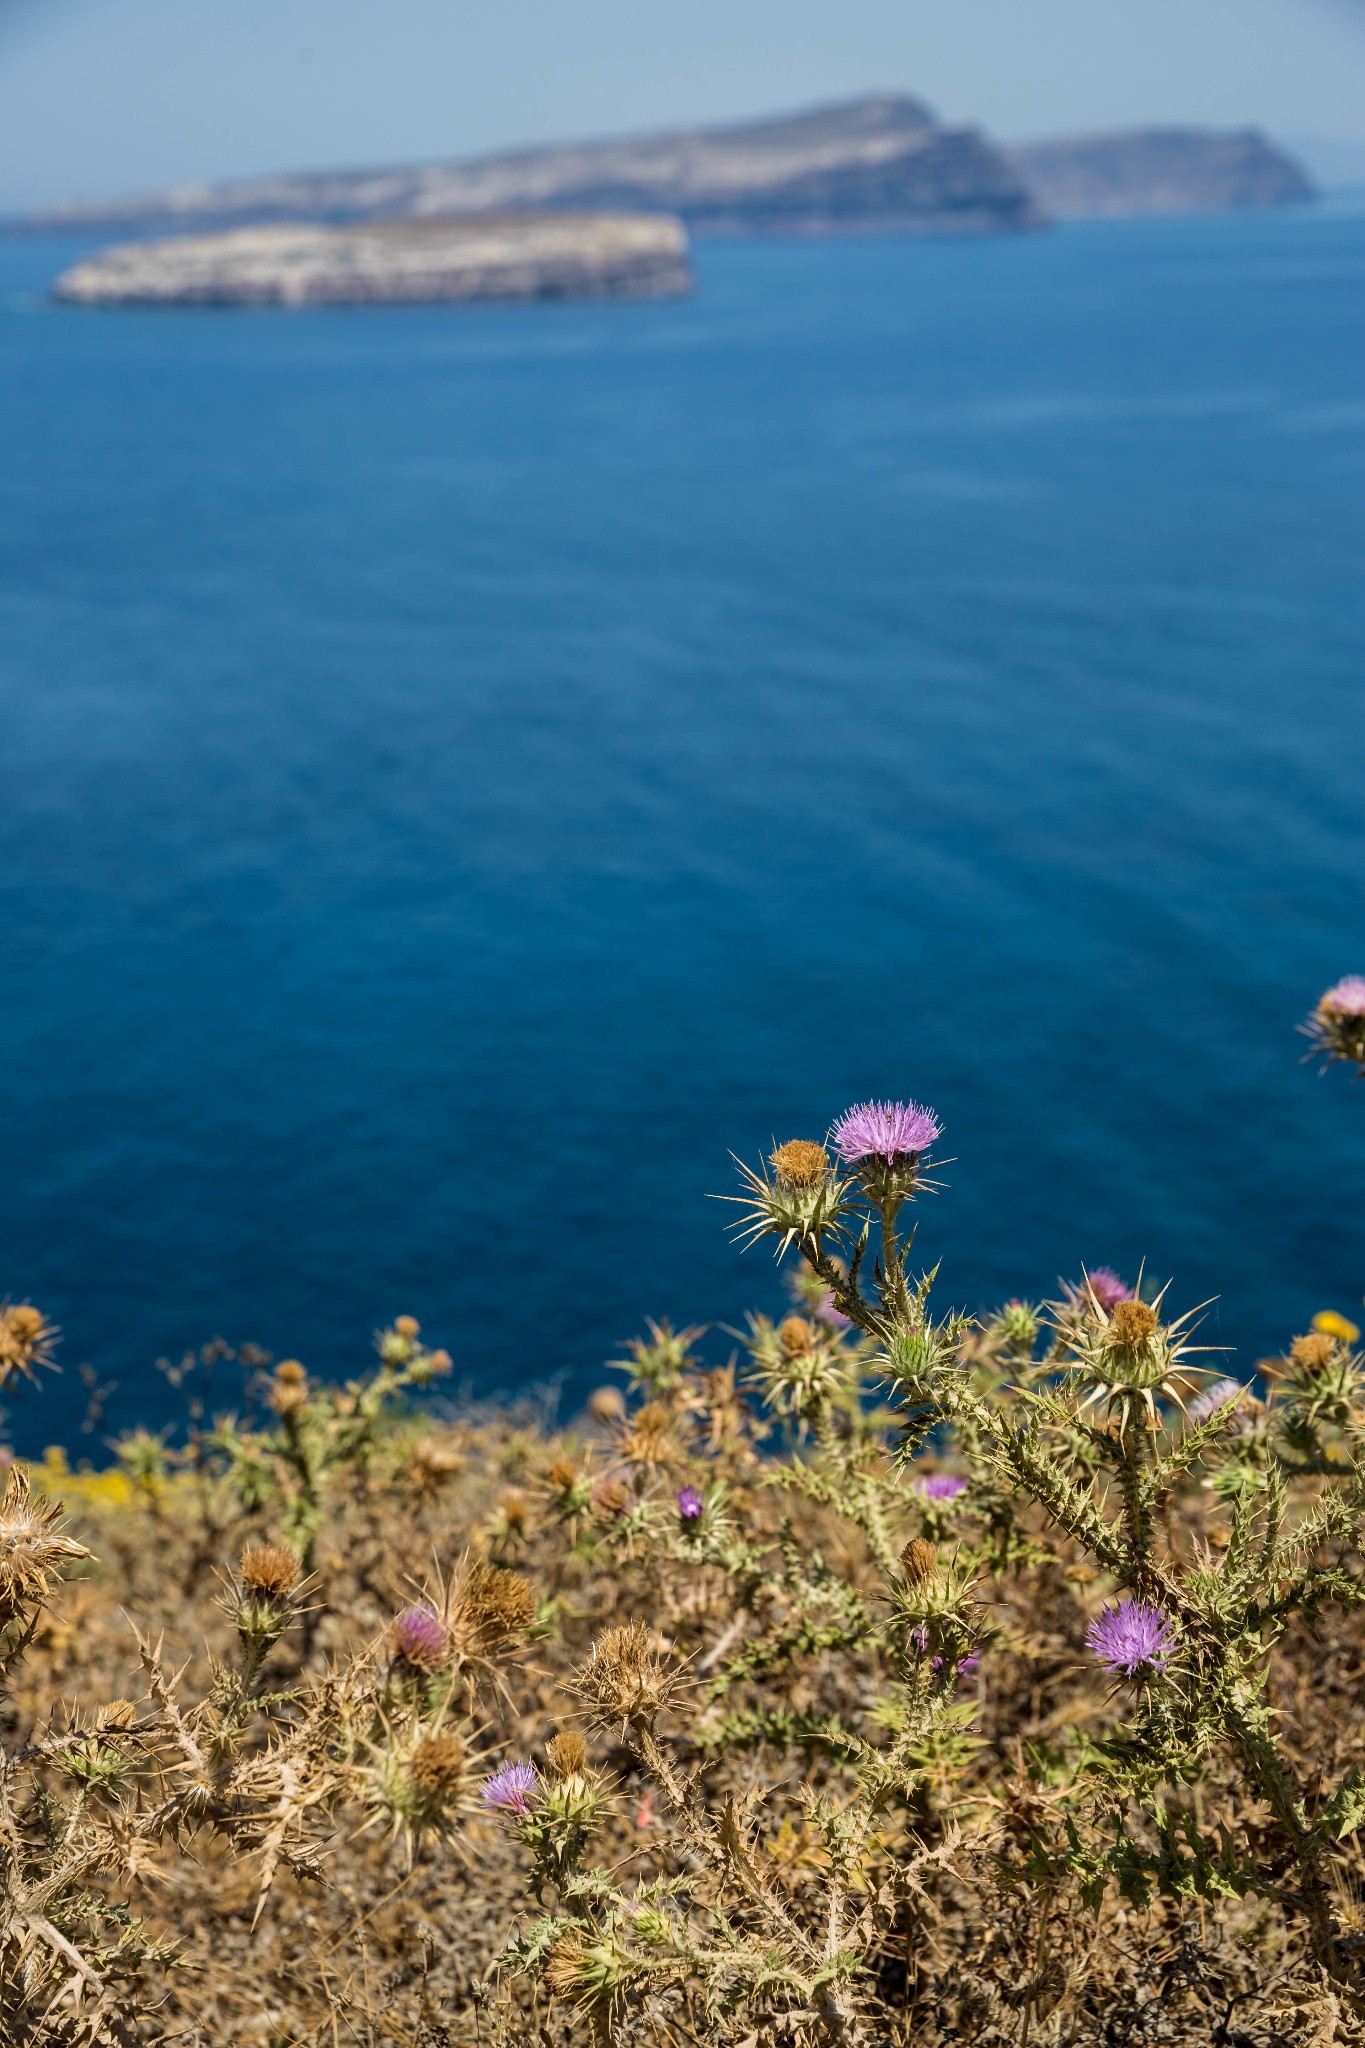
pixel 750 1712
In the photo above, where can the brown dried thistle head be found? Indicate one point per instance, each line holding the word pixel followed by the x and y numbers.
pixel 800 1163
pixel 607 1404
pixel 648 1440
pixel 269 1570
pixel 515 1511
pixel 797 1335
pixel 495 1607
pixel 564 1966
pixel 33 1552
pixel 609 1499
pixel 289 1387
pixel 432 1463
pixel 567 1753
pixel 562 1475
pixel 625 1679
pixel 27 1340
pixel 1313 1352
pixel 1132 1323
pixel 407 1326
pixel 439 1766
pixel 919 1561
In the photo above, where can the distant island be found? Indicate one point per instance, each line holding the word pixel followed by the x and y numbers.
pixel 879 164
pixel 521 256
pixel 1159 170
pixel 882 164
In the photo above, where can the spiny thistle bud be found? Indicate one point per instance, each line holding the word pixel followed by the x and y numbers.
pixel 419 1638
pixel 269 1569
pixel 567 1753
pixel 1016 1326
pixel 495 1606
pixel 27 1340
pixel 800 1163
pixel 607 1404
pixel 592 1974
pixel 625 1678
pixel 795 1335
pixel 32 1551
pixel 919 1561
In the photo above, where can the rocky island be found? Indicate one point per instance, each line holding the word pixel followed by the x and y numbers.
pixel 521 256
pixel 1159 170
pixel 878 164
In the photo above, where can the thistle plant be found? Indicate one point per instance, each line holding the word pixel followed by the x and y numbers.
pixel 1097 1437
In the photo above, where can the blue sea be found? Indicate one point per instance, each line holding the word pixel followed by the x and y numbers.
pixel 465 772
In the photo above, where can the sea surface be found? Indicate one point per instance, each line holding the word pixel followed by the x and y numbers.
pixel 465 772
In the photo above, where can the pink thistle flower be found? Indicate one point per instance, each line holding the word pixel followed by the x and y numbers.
pixel 690 1504
pixel 940 1486
pixel 1215 1397
pixel 884 1130
pixel 1132 1635
pixel 1346 997
pixel 512 1788
pixel 1107 1288
pixel 419 1637
pixel 644 1812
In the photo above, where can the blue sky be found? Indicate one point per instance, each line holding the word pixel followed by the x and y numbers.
pixel 100 97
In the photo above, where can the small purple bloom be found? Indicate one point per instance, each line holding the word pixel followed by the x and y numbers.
pixel 690 1504
pixel 1107 1288
pixel 512 1788
pixel 884 1130
pixel 1133 1634
pixel 1216 1397
pixel 420 1637
pixel 941 1486
pixel 828 1313
pixel 1347 998
pixel 965 1665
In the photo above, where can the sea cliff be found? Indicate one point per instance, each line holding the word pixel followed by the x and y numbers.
pixel 882 163
pixel 1159 170
pixel 526 256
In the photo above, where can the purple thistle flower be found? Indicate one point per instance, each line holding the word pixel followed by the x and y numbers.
pixel 1107 1288
pixel 1216 1397
pixel 690 1504
pixel 1347 997
pixel 828 1313
pixel 512 1788
pixel 420 1637
pixel 1134 1633
pixel 965 1665
pixel 883 1130
pixel 940 1486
